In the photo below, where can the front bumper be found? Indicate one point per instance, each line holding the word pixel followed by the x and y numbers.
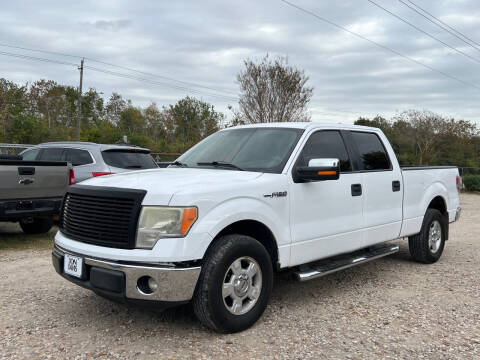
pixel 120 279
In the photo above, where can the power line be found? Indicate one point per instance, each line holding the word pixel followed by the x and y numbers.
pixel 443 23
pixel 424 32
pixel 154 82
pixel 146 80
pixel 380 45
pixel 439 24
pixel 27 57
pixel 120 67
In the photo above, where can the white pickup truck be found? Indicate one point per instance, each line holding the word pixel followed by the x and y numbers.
pixel 248 201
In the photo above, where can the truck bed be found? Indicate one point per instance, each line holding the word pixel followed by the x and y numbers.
pixel 30 188
pixel 420 185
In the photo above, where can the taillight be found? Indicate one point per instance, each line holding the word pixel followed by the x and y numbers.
pixel 459 182
pixel 71 180
pixel 95 174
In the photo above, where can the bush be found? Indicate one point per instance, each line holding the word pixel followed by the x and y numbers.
pixel 471 182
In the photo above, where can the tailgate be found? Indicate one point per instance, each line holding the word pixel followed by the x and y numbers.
pixel 33 179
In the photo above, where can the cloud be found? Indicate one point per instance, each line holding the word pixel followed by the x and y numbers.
pixel 206 43
pixel 109 25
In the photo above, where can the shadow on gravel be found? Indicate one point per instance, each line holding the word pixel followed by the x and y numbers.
pixel 12 238
pixel 287 293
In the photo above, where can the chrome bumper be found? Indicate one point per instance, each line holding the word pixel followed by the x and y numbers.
pixel 457 213
pixel 174 284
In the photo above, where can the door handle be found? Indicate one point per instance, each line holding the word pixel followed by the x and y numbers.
pixel 395 185
pixel 356 189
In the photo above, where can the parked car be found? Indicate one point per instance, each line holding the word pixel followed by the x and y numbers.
pixel 31 192
pixel 246 202
pixel 91 159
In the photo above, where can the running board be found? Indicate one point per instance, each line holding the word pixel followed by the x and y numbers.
pixel 328 266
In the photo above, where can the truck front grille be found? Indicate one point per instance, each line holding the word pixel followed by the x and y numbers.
pixel 101 216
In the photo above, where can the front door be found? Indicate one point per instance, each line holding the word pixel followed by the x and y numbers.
pixel 326 216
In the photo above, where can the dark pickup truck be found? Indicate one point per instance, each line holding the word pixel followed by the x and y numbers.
pixel 31 192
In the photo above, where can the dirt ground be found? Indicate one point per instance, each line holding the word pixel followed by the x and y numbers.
pixel 392 308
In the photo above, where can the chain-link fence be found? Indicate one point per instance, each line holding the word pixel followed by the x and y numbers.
pixel 468 171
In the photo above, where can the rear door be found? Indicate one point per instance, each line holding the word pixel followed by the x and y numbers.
pixel 326 216
pixel 382 187
pixel 82 162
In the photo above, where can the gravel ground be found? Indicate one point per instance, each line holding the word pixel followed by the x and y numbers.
pixel 387 309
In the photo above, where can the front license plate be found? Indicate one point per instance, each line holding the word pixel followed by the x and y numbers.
pixel 72 265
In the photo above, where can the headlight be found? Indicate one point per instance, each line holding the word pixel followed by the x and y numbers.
pixel 159 222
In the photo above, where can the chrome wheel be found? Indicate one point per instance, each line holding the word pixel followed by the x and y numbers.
pixel 242 285
pixel 434 236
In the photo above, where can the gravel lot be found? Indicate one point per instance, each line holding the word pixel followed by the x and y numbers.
pixel 389 309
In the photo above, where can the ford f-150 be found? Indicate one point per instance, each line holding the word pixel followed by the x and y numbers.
pixel 244 203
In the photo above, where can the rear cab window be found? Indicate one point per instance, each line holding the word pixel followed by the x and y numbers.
pixel 128 159
pixel 371 152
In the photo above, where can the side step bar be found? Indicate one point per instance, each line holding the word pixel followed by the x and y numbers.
pixel 328 266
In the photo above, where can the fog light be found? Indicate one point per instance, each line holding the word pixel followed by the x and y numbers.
pixel 146 285
pixel 152 284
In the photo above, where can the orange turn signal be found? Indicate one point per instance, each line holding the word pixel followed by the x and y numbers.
pixel 327 172
pixel 189 217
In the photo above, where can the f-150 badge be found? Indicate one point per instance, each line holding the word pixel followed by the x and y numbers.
pixel 276 194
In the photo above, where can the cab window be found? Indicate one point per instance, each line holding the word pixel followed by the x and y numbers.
pixel 373 155
pixel 326 144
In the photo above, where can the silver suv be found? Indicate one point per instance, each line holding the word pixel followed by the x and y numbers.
pixel 91 159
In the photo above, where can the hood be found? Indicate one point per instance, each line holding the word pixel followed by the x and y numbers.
pixel 162 184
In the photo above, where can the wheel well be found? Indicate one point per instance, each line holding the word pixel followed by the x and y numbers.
pixel 256 230
pixel 439 204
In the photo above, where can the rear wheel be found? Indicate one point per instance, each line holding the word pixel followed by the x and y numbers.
pixel 36 225
pixel 234 285
pixel 427 246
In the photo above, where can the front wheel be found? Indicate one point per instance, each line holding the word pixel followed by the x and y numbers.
pixel 234 285
pixel 427 246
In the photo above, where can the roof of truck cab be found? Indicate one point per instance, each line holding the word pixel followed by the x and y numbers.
pixel 307 125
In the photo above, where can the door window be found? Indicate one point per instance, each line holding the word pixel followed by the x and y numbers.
pixel 326 144
pixel 79 157
pixel 51 154
pixel 373 155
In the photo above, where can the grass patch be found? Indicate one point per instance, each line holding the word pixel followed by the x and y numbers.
pixel 12 238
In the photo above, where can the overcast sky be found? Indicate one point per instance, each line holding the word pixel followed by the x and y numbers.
pixel 205 42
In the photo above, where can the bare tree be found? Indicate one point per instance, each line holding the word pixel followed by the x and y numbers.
pixel 272 91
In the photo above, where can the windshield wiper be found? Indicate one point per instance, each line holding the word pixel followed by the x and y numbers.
pixel 134 166
pixel 178 163
pixel 220 164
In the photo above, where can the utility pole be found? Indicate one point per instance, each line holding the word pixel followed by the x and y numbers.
pixel 80 100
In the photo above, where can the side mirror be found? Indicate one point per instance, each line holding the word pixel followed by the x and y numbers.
pixel 318 170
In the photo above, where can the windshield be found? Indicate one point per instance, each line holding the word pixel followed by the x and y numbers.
pixel 128 159
pixel 252 149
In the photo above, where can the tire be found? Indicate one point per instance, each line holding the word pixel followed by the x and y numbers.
pixel 36 225
pixel 421 248
pixel 221 264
